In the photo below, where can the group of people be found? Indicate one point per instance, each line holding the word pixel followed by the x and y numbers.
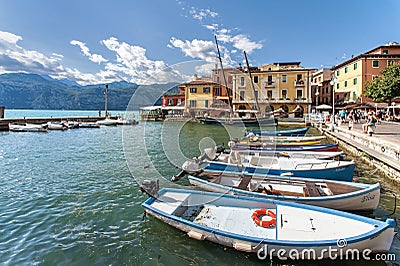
pixel 354 116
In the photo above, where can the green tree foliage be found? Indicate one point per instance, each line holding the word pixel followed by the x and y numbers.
pixel 385 86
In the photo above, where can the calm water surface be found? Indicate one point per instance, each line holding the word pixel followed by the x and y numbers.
pixel 71 197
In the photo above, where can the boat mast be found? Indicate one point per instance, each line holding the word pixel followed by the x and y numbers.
pixel 106 101
pixel 252 84
pixel 223 74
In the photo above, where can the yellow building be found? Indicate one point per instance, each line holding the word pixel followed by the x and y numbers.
pixel 199 95
pixel 277 85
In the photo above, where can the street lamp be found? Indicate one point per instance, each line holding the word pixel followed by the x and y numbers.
pixel 333 81
pixel 316 97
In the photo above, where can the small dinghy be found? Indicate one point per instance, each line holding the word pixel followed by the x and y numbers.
pixel 267 226
pixel 289 132
pixel 345 196
pixel 88 125
pixel 26 128
pixel 56 126
pixel 262 165
pixel 108 122
pixel 316 147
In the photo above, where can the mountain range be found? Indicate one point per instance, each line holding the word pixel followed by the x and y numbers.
pixel 33 91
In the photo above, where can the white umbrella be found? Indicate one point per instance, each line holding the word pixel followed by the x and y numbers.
pixel 323 107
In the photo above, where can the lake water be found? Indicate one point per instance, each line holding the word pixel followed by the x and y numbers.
pixel 72 198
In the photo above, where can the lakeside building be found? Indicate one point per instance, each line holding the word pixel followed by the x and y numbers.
pixel 220 95
pixel 201 96
pixel 352 74
pixel 283 85
pixel 321 89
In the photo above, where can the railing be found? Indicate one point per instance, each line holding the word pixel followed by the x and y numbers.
pixel 325 164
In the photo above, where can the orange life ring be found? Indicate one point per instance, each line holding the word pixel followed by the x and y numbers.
pixel 267 224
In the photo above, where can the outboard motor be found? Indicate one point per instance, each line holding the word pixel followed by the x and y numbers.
pixel 150 187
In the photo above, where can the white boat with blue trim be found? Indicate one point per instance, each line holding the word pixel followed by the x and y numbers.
pixel 262 165
pixel 339 195
pixel 269 227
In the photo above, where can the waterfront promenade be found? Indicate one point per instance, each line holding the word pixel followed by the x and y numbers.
pixel 382 149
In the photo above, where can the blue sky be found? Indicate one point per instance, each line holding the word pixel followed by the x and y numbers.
pixel 94 41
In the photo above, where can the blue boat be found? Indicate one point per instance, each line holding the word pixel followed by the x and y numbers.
pixel 315 147
pixel 269 227
pixel 290 132
pixel 309 168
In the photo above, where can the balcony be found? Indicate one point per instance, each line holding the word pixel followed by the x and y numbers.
pixel 299 83
pixel 269 84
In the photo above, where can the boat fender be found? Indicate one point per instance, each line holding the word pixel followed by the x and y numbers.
pixel 267 224
pixel 196 235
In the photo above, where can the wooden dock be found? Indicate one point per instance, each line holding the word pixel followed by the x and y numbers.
pixel 43 120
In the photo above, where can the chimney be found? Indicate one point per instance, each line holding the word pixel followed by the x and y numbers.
pixel 195 77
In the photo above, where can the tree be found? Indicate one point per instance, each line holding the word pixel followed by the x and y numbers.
pixel 386 86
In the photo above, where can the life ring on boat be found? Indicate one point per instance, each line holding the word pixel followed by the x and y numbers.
pixel 267 224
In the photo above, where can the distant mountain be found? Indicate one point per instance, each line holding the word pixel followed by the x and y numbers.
pixel 31 91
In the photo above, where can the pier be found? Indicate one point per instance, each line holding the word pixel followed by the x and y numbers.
pixel 381 150
pixel 43 120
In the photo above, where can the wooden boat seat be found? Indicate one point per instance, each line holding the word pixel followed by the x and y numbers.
pixel 312 190
pixel 244 182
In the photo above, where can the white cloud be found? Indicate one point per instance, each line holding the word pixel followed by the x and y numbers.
pixel 132 62
pixel 201 14
pixel 96 58
pixel 196 48
pixel 7 37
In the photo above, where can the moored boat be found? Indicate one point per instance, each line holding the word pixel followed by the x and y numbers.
pixel 107 122
pixel 289 132
pixel 88 125
pixel 348 196
pixel 316 147
pixel 56 126
pixel 239 121
pixel 26 128
pixel 267 226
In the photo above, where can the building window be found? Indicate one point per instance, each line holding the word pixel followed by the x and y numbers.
pixel 355 66
pixel 230 79
pixel 355 81
pixel 193 90
pixel 206 90
pixel 218 81
pixel 284 78
pixel 269 80
pixel 256 94
pixel 390 62
pixel 241 81
pixel 269 94
pixel 346 69
pixel 375 63
pixel 206 103
pixel 345 83
pixel 337 86
pixel 179 102
pixel 255 79
pixel 326 89
pixel 241 94
pixel 170 102
pixel 217 91
pixel 284 94
pixel 299 77
pixel 192 103
pixel 385 51
pixel 338 73
pixel 299 94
